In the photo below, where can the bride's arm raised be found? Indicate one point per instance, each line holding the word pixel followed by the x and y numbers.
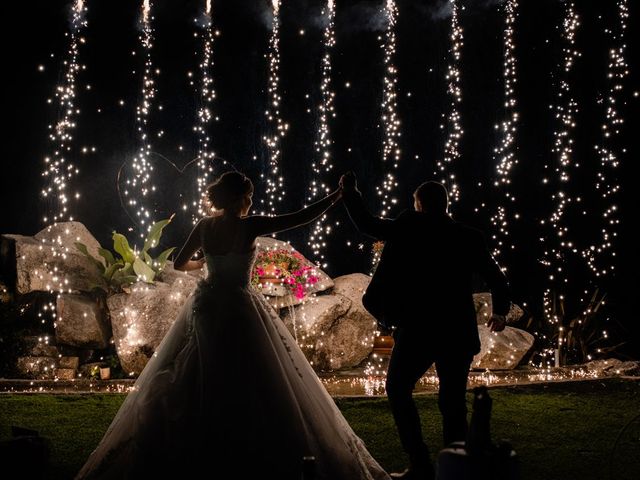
pixel 183 260
pixel 262 225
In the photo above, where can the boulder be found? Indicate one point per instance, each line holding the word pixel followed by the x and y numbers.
pixel 484 308
pixel 141 317
pixel 613 367
pixel 170 275
pixel 81 322
pixel 65 373
pixel 71 363
pixel 311 320
pixel 39 263
pixel 39 346
pixel 501 350
pixel 36 367
pixel 334 330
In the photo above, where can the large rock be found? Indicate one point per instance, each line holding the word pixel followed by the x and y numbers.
pixel 484 307
pixel 39 346
pixel 170 275
pixel 334 330
pixel 36 367
pixel 39 263
pixel 613 367
pixel 141 317
pixel 310 321
pixel 352 286
pixel 81 322
pixel 278 295
pixel 501 350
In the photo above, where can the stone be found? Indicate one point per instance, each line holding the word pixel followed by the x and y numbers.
pixel 81 322
pixel 69 362
pixel 31 261
pixel 315 316
pixel 65 373
pixel 613 367
pixel 350 341
pixel 141 317
pixel 69 233
pixel 501 350
pixel 353 287
pixel 36 367
pixel 483 305
pixel 334 330
pixel 170 275
pixel 39 346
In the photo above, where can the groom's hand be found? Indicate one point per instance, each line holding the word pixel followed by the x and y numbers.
pixel 497 323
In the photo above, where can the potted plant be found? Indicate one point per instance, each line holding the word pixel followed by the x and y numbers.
pixel 383 343
pixel 105 373
pixel 286 267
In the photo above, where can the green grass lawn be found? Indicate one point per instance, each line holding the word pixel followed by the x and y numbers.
pixel 560 431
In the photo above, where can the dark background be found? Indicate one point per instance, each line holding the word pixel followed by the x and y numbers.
pixel 35 35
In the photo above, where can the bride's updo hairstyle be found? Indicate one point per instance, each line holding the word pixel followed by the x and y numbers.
pixel 229 191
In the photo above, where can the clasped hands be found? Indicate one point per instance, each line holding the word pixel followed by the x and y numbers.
pixel 497 322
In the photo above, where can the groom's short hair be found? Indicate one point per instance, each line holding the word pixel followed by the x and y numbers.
pixel 433 197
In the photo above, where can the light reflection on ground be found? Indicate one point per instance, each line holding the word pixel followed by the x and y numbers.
pixel 358 382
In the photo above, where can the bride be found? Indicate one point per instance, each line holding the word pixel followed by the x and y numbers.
pixel 228 393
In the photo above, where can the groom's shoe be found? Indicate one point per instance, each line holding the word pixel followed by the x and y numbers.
pixel 423 473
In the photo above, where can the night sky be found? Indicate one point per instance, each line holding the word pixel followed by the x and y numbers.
pixel 34 35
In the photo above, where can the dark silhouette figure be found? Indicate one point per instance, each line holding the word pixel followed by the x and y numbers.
pixel 229 388
pixel 479 458
pixel 423 287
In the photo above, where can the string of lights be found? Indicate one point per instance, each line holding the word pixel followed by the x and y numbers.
pixel 454 90
pixel 205 113
pixel 59 169
pixel 322 164
pixel 390 122
pixel 505 152
pixel 139 186
pixel 557 244
pixel 601 255
pixel 274 179
pixel 565 111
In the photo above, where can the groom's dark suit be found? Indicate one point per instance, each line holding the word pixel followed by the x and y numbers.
pixel 425 276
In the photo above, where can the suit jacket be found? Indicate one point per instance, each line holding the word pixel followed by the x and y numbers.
pixel 425 275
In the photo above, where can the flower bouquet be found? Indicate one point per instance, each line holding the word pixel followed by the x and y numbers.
pixel 283 267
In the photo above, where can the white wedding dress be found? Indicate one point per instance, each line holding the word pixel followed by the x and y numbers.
pixel 229 394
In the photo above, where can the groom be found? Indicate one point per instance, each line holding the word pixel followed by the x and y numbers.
pixel 422 287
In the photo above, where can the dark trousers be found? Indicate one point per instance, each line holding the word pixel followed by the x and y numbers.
pixel 410 359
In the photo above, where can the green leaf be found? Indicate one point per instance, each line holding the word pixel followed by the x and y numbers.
pixel 83 248
pixel 161 261
pixel 124 270
pixel 107 255
pixel 126 280
pixel 143 271
pixel 155 233
pixel 111 269
pixel 121 245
